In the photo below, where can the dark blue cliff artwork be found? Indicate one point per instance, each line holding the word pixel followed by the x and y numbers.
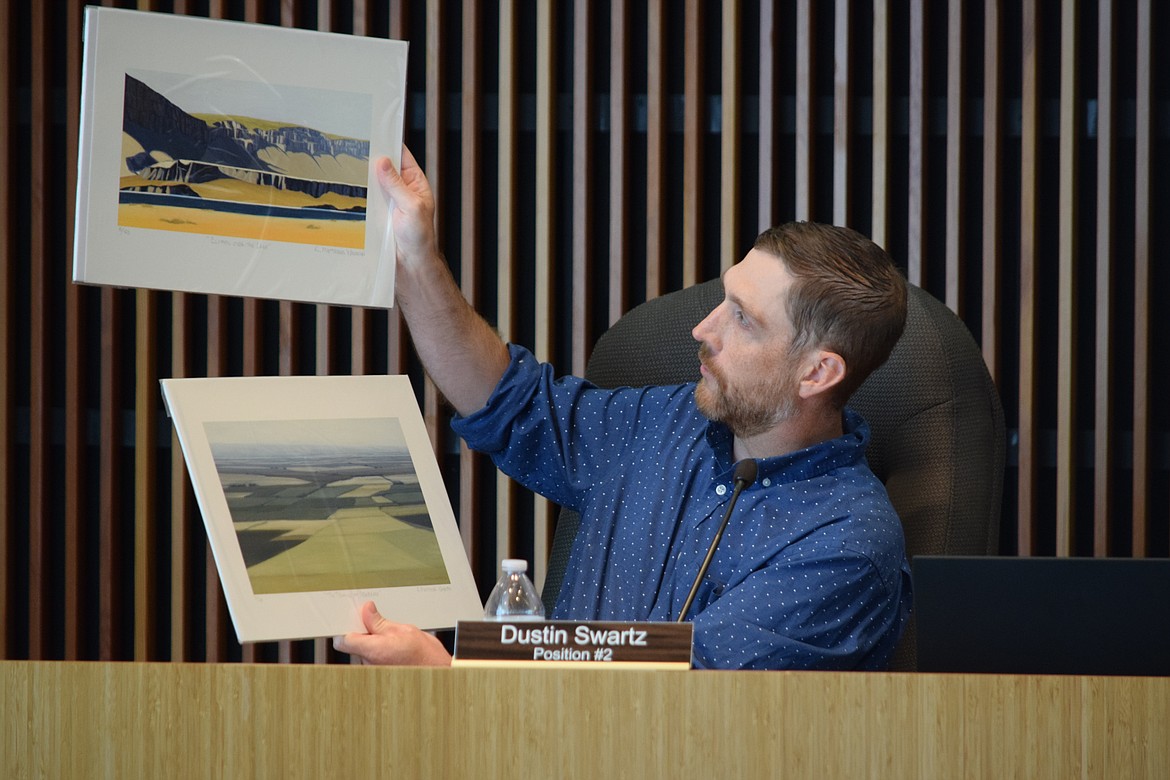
pixel 239 176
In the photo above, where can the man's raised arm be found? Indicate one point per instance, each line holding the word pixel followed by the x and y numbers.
pixel 459 350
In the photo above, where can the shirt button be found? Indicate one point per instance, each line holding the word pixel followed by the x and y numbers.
pixel 720 489
pixel 767 482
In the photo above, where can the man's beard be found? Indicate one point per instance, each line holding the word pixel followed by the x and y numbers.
pixel 765 401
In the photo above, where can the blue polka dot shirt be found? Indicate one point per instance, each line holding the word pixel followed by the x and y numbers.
pixel 811 572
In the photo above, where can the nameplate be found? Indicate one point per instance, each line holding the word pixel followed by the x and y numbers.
pixel 557 642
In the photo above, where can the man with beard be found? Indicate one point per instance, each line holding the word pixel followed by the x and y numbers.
pixel 811 571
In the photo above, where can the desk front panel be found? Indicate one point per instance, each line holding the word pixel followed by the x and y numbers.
pixel 69 719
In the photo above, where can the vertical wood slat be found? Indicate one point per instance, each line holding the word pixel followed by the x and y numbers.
pixel 583 166
pixel 620 257
pixel 545 228
pixel 288 339
pixel 324 357
pixel 842 119
pixel 215 607
pixel 656 217
pixel 74 434
pixel 1142 365
pixel 323 314
pixel 8 629
pixel 729 137
pixel 109 477
pixel 399 18
pixel 692 142
pixel 183 516
pixel 470 231
pixel 1066 443
pixel 955 173
pixel 916 158
pixel 435 123
pixel 288 317
pixel 252 332
pixel 145 469
pixel 325 363
pixel 992 181
pixel 880 223
pixel 40 382
pixel 145 464
pixel 806 123
pixel 769 153
pixel 1103 426
pixel 507 269
pixel 325 12
pixel 545 181
pixel 361 319
pixel 1027 500
pixel 396 338
pixel 112 542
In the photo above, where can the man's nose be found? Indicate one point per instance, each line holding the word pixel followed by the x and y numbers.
pixel 706 327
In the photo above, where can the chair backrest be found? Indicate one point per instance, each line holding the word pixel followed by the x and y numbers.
pixel 934 413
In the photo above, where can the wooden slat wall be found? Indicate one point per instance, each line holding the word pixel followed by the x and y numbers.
pixel 1009 155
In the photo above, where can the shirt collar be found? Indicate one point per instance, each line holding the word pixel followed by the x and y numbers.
pixel 808 463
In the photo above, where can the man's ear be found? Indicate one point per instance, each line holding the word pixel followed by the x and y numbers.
pixel 823 371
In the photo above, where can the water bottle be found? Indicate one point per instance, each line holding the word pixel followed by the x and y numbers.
pixel 514 597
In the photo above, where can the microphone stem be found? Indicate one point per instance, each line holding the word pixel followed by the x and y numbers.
pixel 740 484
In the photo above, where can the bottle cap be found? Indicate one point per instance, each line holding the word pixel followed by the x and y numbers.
pixel 514 564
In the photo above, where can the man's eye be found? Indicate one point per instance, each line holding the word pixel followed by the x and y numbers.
pixel 740 317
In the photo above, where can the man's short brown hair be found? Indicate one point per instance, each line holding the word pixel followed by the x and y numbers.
pixel 847 296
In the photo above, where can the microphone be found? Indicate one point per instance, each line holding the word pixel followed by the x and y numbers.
pixel 745 475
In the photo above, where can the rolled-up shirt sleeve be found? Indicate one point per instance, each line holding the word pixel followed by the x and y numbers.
pixel 552 435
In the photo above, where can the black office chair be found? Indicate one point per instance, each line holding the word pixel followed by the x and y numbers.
pixel 935 416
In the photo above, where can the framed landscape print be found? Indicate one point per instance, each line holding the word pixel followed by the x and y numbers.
pixel 318 494
pixel 236 159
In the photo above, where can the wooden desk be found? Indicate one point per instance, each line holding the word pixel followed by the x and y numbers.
pixel 67 720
